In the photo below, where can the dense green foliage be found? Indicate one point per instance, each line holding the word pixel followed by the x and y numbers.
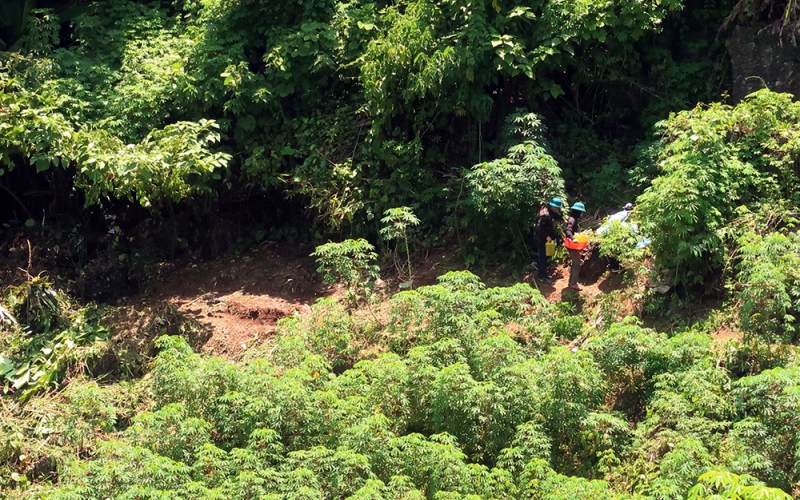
pixel 352 263
pixel 390 126
pixel 351 108
pixel 769 291
pixel 43 335
pixel 504 193
pixel 473 392
pixel 714 163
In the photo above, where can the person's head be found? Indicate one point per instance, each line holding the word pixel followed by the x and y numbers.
pixel 577 210
pixel 555 205
pixel 628 207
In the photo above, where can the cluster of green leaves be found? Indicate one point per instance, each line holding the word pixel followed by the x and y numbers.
pixel 164 165
pixel 715 484
pixel 50 428
pixel 352 263
pixel 502 196
pixel 769 285
pixel 712 161
pixel 397 223
pixel 620 241
pixel 354 106
pixel 42 334
pixel 468 392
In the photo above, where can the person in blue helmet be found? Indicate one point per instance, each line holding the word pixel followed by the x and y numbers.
pixel 544 232
pixel 571 230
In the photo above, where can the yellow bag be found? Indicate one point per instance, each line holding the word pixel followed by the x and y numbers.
pixel 550 248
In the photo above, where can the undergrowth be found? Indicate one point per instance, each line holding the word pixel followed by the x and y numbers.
pixel 460 391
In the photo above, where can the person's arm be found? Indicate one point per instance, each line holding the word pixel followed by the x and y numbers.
pixel 570 231
pixel 551 229
pixel 541 226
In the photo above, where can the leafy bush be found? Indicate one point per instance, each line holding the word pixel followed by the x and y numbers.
pixel 329 331
pixel 397 222
pixel 769 285
pixel 619 241
pixel 351 263
pixel 718 484
pixel 459 307
pixel 49 430
pixel 627 355
pixel 50 336
pixel 712 160
pixel 506 193
pixel 510 189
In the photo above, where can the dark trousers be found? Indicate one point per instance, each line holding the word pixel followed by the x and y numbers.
pixel 541 258
pixel 575 270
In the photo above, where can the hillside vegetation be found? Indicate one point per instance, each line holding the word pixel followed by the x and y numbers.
pixel 454 391
pixel 142 138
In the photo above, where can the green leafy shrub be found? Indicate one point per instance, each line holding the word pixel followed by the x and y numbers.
pixel 543 483
pixel 350 262
pixel 567 326
pixel 619 241
pixel 769 285
pixel 764 446
pixel 168 165
pixel 712 160
pixel 459 307
pixel 186 433
pixel 397 222
pixel 506 193
pixel 568 387
pixel 719 484
pixel 40 437
pixel 49 337
pixel 329 332
pixel 510 189
pixel 626 353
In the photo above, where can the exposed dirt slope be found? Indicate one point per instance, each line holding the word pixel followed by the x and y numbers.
pixel 240 299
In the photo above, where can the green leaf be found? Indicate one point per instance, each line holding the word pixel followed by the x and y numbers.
pixel 247 123
pixel 42 164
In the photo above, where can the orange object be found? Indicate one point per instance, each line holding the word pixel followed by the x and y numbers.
pixel 578 244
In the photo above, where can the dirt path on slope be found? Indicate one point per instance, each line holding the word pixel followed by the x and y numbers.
pixel 596 278
pixel 239 299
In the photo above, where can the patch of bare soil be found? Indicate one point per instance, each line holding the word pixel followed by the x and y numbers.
pixel 427 269
pixel 596 277
pixel 240 299
pixel 725 333
pixel 237 301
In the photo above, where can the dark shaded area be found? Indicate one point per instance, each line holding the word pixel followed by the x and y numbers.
pixel 763 56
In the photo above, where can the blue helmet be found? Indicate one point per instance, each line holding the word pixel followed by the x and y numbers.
pixel 555 202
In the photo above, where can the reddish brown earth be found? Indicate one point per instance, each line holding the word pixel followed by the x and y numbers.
pixel 595 277
pixel 238 300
